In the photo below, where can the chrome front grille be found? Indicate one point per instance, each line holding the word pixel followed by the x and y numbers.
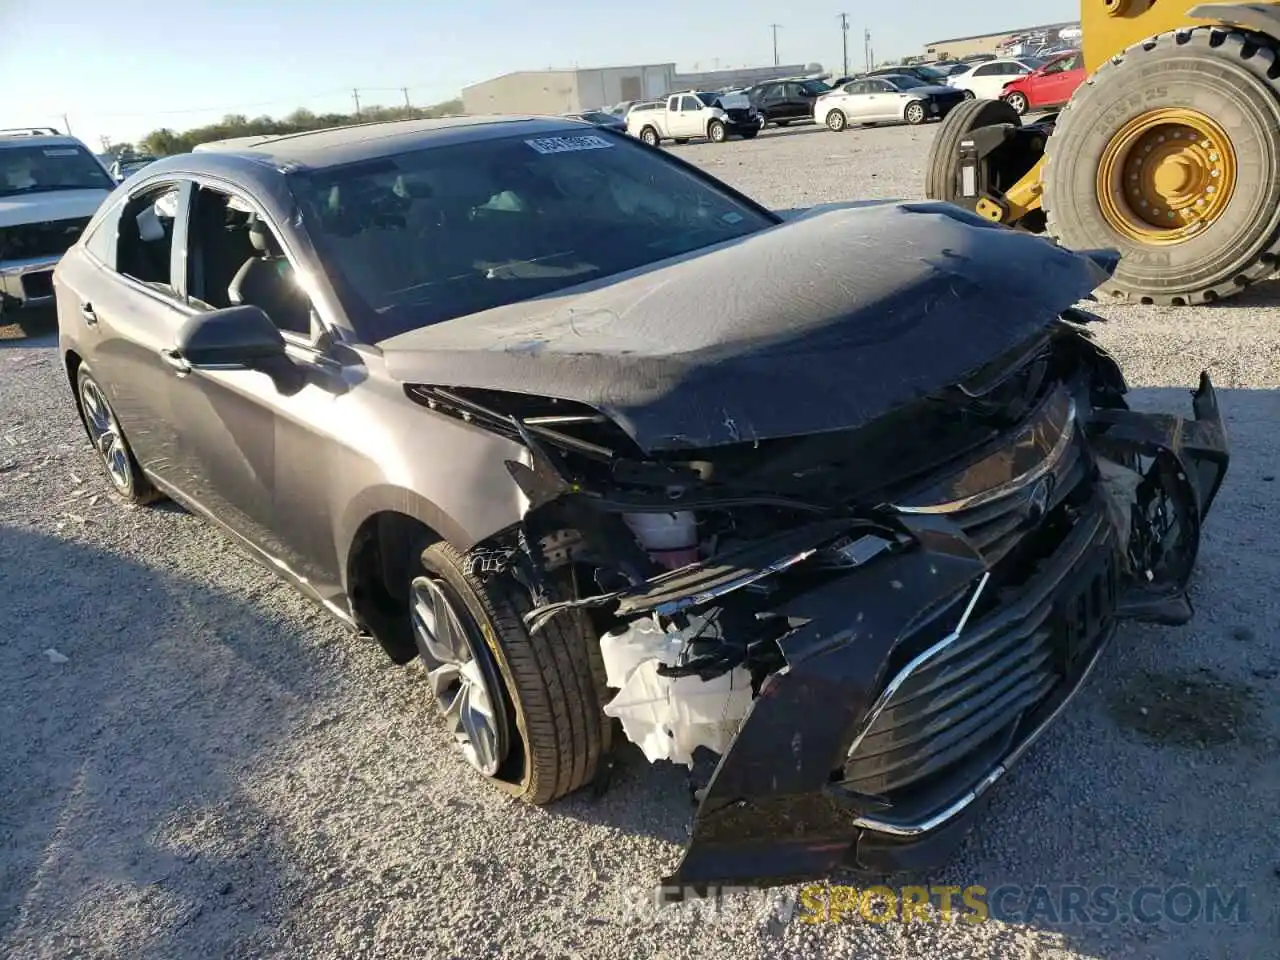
pixel 995 526
pixel 1009 487
pixel 978 682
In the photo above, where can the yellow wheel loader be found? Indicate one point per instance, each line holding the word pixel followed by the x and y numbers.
pixel 1169 153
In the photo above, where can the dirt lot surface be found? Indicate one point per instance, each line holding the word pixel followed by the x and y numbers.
pixel 197 763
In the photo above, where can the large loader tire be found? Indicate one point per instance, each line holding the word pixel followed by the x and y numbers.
pixel 1169 154
pixel 942 176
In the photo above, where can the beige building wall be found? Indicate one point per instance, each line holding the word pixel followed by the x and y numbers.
pixel 567 91
pixel 956 49
pixel 546 91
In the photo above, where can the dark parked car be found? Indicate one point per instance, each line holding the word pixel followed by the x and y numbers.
pixel 595 436
pixel 786 101
pixel 599 118
pixel 925 74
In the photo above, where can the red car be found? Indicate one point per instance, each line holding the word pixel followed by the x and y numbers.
pixel 1050 86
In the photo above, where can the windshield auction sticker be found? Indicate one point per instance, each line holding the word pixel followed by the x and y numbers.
pixel 568 144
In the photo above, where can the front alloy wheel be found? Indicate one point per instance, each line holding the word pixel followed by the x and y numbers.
pixel 914 113
pixel 1018 101
pixel 462 675
pixel 836 120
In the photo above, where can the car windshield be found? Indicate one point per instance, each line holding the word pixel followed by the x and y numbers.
pixel 419 238
pixel 38 168
pixel 930 74
pixel 596 116
pixel 814 86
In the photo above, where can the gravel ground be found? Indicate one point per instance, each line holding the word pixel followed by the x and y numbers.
pixel 216 770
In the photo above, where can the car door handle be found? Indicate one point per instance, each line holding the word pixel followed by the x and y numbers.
pixel 86 311
pixel 175 359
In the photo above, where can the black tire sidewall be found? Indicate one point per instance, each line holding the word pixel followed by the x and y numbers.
pixel 942 180
pixel 139 488
pixel 1213 80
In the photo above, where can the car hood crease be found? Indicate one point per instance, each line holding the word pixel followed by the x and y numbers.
pixel 825 322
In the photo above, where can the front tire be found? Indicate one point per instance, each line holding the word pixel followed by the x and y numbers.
pixel 970 95
pixel 128 482
pixel 837 121
pixel 914 113
pixel 546 688
pixel 1208 225
pixel 1018 101
pixel 717 132
pixel 749 134
pixel 649 136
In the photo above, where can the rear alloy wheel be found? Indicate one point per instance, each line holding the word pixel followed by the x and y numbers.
pixel 716 132
pixel 127 479
pixel 524 709
pixel 650 136
pixel 1183 186
pixel 1018 101
pixel 914 113
pixel 837 121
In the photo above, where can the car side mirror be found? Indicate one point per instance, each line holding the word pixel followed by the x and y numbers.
pixel 241 337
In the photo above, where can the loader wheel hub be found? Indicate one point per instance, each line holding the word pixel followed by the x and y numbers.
pixel 1165 175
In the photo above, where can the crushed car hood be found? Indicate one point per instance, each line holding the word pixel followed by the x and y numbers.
pixel 825 322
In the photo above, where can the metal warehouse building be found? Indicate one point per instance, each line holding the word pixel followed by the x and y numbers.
pixel 567 91
pixel 958 47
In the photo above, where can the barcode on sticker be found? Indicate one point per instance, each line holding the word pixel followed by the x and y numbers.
pixel 568 144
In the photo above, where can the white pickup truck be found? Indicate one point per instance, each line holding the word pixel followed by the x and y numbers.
pixel 685 116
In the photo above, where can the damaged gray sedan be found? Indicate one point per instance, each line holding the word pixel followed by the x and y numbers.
pixel 837 512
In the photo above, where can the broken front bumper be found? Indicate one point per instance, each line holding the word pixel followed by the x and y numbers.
pixel 917 681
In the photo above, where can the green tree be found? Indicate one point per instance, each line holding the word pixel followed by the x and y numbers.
pixel 165 141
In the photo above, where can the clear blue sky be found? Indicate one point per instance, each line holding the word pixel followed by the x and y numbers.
pixel 124 68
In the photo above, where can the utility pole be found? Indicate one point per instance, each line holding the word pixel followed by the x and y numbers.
pixel 66 123
pixel 775 27
pixel 866 47
pixel 405 91
pixel 844 36
pixel 355 94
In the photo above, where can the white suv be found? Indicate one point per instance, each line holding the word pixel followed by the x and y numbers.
pixel 50 186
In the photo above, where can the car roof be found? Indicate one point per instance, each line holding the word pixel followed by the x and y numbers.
pixel 334 146
pixel 36 137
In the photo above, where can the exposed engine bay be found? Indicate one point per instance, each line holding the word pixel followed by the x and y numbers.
pixel 849 635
